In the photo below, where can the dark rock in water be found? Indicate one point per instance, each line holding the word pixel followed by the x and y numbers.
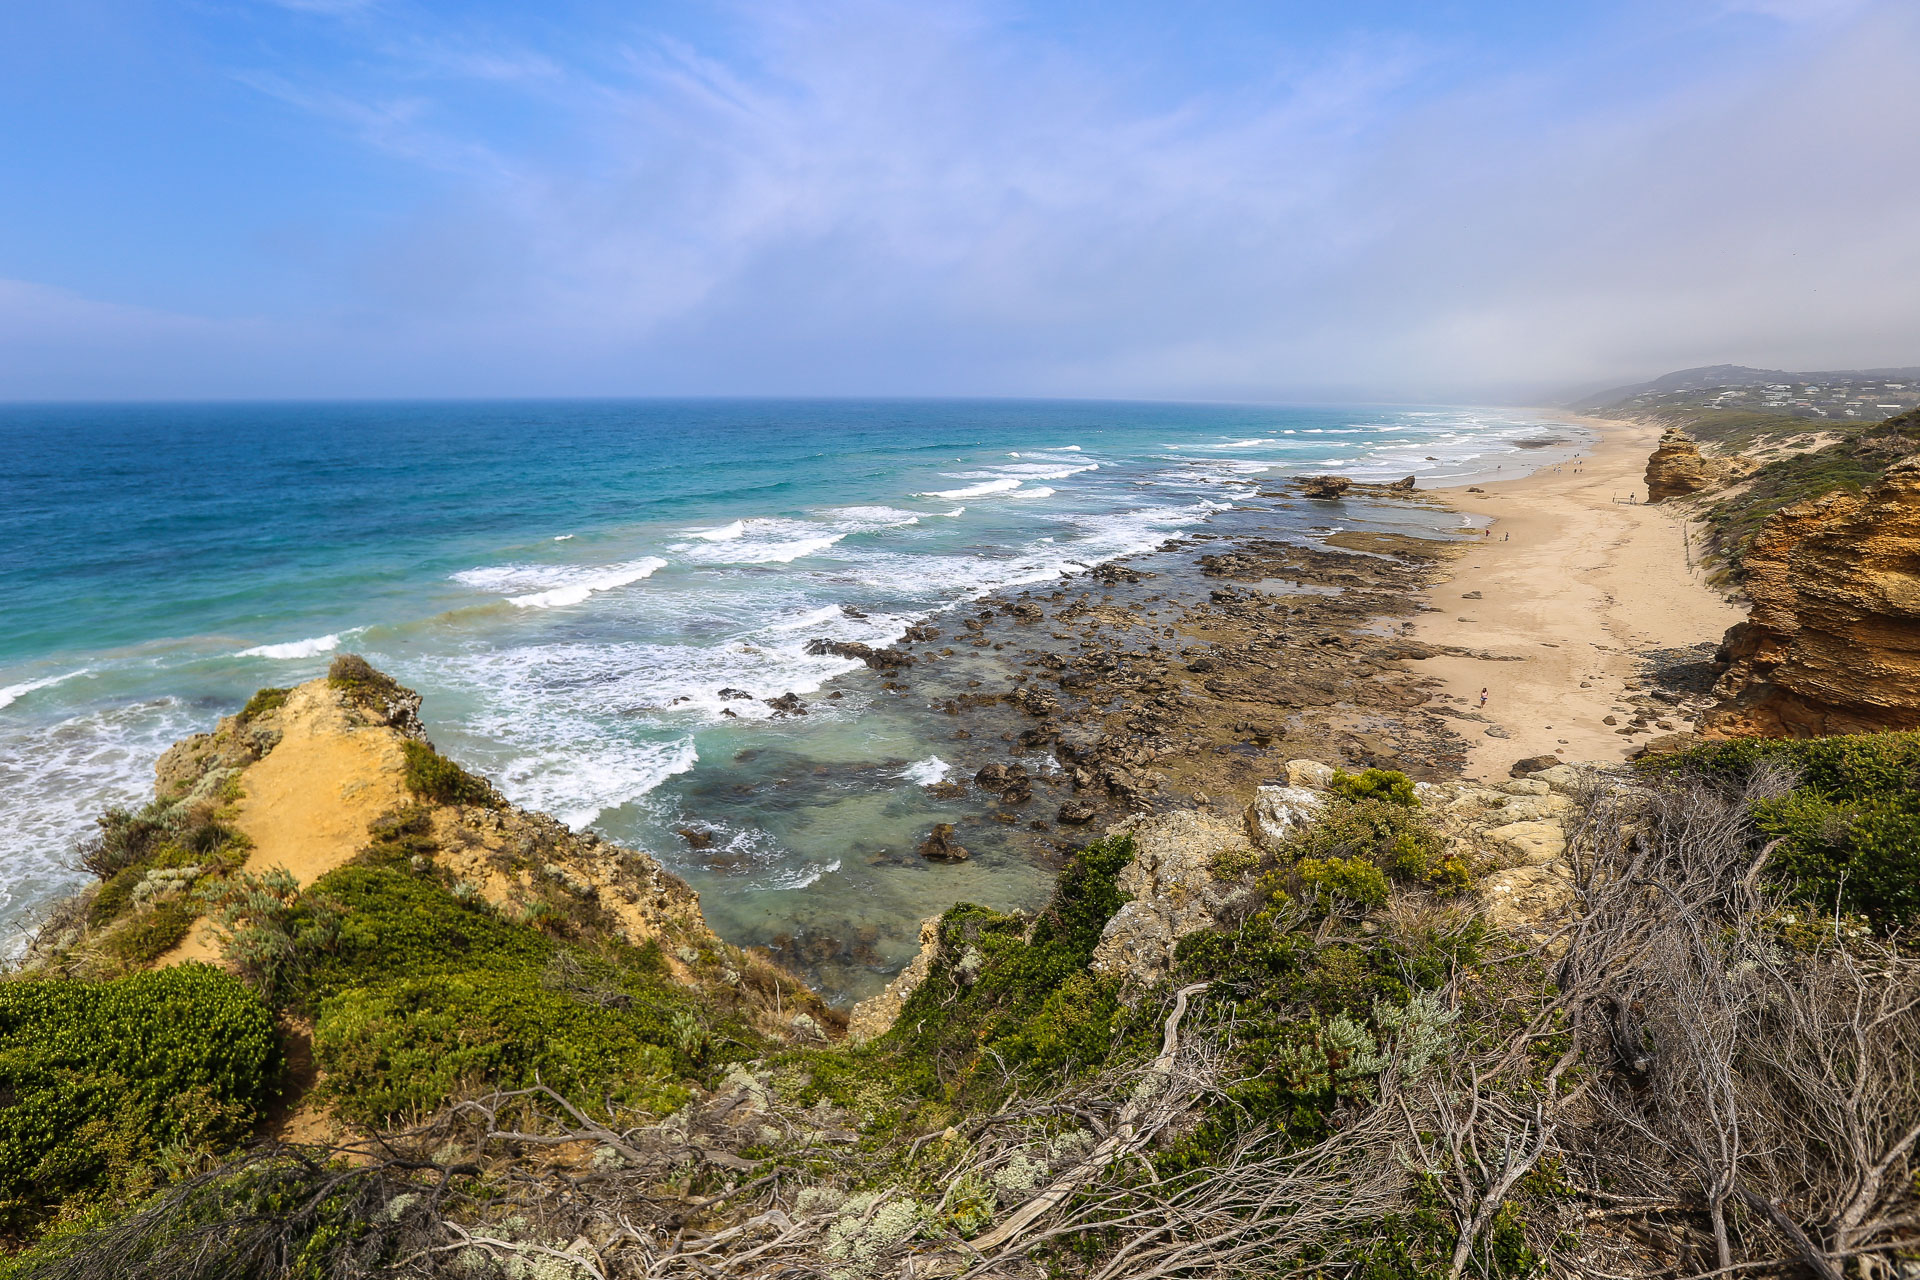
pixel 1532 764
pixel 1403 486
pixel 1323 486
pixel 940 846
pixel 991 775
pixel 851 612
pixel 728 713
pixel 1075 813
pixel 695 839
pixel 947 790
pixel 734 695
pixel 877 659
pixel 788 704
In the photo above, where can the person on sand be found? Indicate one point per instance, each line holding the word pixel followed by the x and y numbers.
pixel 1483 697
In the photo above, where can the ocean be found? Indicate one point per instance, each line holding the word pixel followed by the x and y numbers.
pixel 572 585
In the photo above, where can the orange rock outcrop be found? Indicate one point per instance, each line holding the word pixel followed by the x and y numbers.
pixel 1678 468
pixel 1833 642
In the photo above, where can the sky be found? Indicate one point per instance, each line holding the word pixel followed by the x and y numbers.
pixel 1379 200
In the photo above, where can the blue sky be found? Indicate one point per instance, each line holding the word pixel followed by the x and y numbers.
pixel 1283 200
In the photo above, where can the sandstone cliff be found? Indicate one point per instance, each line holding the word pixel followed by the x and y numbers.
pixel 1833 642
pixel 1678 468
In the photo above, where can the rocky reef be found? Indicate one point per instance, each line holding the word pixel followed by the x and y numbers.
pixel 1833 642
pixel 1678 468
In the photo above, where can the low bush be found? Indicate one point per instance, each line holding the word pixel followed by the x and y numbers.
pixel 432 776
pixel 363 683
pixel 1375 784
pixel 264 701
pixel 1848 833
pixel 1392 836
pixel 1007 991
pixel 395 1050
pixel 417 993
pixel 1352 880
pixel 107 1086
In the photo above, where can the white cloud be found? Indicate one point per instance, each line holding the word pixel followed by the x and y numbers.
pixel 868 197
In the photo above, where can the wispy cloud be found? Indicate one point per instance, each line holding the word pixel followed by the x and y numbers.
pixel 949 197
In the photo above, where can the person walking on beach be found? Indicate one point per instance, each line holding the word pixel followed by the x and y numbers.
pixel 1483 697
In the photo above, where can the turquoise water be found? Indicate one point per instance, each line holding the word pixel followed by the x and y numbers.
pixel 572 584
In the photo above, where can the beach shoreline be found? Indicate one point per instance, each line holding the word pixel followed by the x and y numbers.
pixel 1578 580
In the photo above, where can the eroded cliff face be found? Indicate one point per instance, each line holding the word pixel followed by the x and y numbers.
pixel 1833 642
pixel 1678 468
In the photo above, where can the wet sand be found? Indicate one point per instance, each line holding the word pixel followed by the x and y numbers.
pixel 1579 585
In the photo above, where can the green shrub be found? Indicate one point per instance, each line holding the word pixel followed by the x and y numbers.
pixel 400 1048
pixel 150 934
pixel 432 776
pixel 124 838
pixel 1350 879
pixel 105 1084
pixel 1004 992
pixel 262 702
pixel 354 676
pixel 132 844
pixel 1849 833
pixel 1375 784
pixel 417 993
pixel 1396 839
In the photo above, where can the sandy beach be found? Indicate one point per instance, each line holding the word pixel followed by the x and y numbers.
pixel 1573 581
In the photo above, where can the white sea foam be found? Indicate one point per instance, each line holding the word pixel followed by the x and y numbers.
pixel 725 533
pixel 973 491
pixel 563 537
pixel 1056 470
pixel 55 778
pixel 556 585
pixel 756 551
pixel 14 692
pixel 875 517
pixel 813 619
pixel 926 772
pixel 801 877
pixel 1038 491
pixel 293 649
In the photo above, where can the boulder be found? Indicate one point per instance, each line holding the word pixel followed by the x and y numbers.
pixel 1073 813
pixel 788 704
pixel 1172 889
pixel 1277 812
pixel 1323 486
pixel 1309 773
pixel 1535 843
pixel 1526 896
pixel 1403 486
pixel 940 846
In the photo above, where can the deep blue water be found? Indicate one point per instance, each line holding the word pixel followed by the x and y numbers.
pixel 572 583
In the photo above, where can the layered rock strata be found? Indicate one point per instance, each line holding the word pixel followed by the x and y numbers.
pixel 1678 468
pixel 1833 642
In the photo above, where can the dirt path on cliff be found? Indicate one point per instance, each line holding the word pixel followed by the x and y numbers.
pixel 1585 582
pixel 306 805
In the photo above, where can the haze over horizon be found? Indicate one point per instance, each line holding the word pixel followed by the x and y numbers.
pixel 373 198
